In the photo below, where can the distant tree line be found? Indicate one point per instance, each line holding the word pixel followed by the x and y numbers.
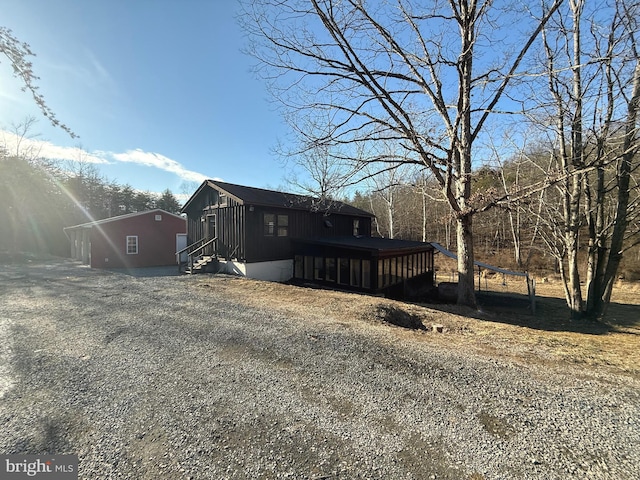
pixel 40 197
pixel 527 233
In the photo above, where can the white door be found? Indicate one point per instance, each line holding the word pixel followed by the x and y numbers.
pixel 181 242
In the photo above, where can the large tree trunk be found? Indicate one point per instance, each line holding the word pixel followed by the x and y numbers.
pixel 574 299
pixel 466 289
pixel 625 168
pixel 577 162
pixel 597 248
pixel 462 163
pixel 389 206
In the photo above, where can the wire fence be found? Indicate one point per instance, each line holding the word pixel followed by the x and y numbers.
pixel 488 278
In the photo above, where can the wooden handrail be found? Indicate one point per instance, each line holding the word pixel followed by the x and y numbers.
pixel 189 246
pixel 201 247
pixel 178 253
pixel 192 253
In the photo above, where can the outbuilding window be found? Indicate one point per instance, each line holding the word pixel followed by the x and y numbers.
pixel 132 244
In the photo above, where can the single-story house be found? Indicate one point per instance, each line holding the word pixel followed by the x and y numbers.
pixel 141 239
pixel 278 236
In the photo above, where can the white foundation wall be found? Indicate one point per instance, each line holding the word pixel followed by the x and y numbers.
pixel 276 271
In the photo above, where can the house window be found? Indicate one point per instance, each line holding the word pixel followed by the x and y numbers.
pixel 211 226
pixel 276 225
pixel 356 227
pixel 298 266
pixel 330 270
pixel 387 272
pixel 355 272
pixel 283 225
pixel 308 268
pixel 393 270
pixel 366 273
pixel 132 244
pixel 269 224
pixel 318 268
pixel 343 271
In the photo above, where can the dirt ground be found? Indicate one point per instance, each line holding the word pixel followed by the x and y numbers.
pixel 548 337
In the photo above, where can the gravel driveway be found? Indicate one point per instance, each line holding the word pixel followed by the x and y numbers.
pixel 153 377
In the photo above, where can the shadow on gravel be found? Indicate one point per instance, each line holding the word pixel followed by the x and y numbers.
pixel 169 271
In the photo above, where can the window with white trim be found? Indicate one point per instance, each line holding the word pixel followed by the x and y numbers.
pixel 132 244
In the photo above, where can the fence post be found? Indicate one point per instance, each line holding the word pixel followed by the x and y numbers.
pixel 531 289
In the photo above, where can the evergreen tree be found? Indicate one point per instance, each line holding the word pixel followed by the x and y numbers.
pixel 168 202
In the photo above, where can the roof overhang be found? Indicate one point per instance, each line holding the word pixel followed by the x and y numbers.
pixel 89 225
pixel 381 247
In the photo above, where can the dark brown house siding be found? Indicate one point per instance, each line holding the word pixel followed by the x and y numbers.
pixel 230 232
pixel 301 224
pixel 238 214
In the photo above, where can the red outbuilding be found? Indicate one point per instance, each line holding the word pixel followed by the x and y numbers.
pixel 142 239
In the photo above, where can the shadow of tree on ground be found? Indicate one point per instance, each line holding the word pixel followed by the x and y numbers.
pixel 552 314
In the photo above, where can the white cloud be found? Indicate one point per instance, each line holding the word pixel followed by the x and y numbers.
pixel 157 160
pixel 35 148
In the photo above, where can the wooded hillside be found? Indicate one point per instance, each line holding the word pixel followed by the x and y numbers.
pixel 525 235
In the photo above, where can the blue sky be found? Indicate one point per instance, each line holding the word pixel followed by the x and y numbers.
pixel 157 90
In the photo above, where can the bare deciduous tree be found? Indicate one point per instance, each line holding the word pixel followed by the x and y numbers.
pixel 425 75
pixel 385 187
pixel 594 85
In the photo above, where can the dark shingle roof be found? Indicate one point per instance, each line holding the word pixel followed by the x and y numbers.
pixel 272 198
